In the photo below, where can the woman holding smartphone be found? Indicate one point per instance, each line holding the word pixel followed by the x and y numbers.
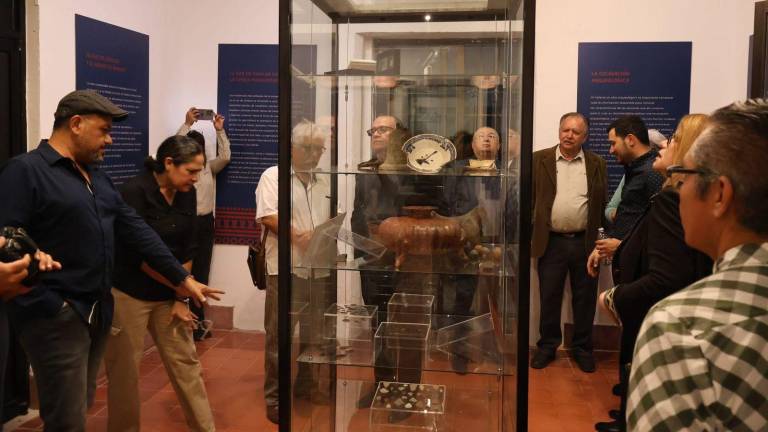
pixel 164 195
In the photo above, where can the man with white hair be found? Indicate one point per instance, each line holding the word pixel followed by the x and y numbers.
pixel 701 355
pixel 310 207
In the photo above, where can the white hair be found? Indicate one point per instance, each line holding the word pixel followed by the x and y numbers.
pixel 655 137
pixel 307 131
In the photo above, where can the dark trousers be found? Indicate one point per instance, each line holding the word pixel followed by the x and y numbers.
pixel 563 256
pixel 404 365
pixel 65 354
pixel 201 263
pixel 462 288
pixel 312 297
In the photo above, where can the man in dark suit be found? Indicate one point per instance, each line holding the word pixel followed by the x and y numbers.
pixel 569 196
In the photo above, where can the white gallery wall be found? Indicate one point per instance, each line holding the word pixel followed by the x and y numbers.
pixel 184 36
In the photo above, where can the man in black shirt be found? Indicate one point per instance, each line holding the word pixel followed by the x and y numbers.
pixel 631 147
pixel 70 207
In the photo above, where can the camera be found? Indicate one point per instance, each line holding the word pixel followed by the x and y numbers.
pixel 17 244
pixel 205 114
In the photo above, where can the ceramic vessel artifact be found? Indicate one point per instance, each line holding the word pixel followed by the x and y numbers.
pixel 423 232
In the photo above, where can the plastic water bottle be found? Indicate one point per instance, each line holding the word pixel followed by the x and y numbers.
pixel 601 235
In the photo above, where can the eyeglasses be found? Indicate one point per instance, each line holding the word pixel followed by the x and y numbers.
pixel 381 130
pixel 679 169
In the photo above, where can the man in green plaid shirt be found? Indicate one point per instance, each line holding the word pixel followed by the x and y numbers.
pixel 701 359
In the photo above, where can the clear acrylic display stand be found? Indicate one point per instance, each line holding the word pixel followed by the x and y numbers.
pixel 407 406
pixel 350 325
pixel 473 339
pixel 410 308
pixel 392 337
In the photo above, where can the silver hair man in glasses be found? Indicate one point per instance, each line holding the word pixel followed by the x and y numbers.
pixel 702 353
pixel 310 207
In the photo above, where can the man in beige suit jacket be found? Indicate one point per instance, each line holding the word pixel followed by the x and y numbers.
pixel 569 196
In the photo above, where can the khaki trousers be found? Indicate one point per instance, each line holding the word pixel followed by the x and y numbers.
pixel 125 347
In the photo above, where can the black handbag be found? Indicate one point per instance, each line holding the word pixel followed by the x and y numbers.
pixel 257 262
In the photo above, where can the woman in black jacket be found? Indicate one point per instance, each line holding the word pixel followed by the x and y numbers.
pixel 653 261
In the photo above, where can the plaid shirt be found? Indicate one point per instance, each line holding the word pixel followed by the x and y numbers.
pixel 701 359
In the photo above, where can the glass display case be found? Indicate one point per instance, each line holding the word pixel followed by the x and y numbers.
pixel 402 182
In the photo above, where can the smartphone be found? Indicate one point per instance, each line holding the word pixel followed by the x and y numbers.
pixel 205 114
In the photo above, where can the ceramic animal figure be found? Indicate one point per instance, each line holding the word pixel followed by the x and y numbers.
pixel 424 232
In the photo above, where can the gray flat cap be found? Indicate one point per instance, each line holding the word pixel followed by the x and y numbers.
pixel 81 102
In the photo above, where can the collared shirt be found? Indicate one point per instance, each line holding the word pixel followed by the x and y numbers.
pixel 310 207
pixel 77 223
pixel 641 182
pixel 175 223
pixel 570 208
pixel 701 357
pixel 206 180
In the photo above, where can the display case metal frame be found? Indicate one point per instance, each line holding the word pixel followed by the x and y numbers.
pixel 284 191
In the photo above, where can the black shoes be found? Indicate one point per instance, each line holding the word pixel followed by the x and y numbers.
pixel 203 330
pixel 199 334
pixel 611 426
pixel 542 358
pixel 273 414
pixel 584 360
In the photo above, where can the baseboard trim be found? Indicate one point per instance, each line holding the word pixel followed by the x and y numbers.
pixel 604 337
pixel 222 316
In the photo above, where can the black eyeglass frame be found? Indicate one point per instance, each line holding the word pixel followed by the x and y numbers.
pixel 679 169
pixel 380 129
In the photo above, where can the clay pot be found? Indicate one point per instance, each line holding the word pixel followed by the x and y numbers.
pixel 423 232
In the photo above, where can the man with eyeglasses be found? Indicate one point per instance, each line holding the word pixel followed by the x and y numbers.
pixel 701 356
pixel 380 133
pixel 310 207
pixel 377 197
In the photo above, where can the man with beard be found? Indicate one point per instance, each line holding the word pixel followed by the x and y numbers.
pixel 58 194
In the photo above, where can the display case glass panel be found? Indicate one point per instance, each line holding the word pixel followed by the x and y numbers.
pixel 405 171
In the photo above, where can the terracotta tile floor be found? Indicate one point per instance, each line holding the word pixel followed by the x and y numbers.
pixel 562 398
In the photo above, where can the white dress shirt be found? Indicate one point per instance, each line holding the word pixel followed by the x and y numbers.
pixel 310 208
pixel 570 208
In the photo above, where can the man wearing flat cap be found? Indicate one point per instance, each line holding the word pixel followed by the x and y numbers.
pixel 58 194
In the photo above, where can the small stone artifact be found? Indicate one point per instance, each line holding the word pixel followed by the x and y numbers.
pixel 424 232
pixel 424 398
